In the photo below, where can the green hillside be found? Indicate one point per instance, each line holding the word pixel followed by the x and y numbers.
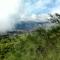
pixel 37 45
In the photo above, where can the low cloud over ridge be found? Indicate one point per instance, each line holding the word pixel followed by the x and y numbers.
pixel 12 11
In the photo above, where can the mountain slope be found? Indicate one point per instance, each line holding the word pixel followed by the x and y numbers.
pixel 37 45
pixel 28 25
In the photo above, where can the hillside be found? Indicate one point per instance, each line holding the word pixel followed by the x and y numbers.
pixel 40 44
pixel 30 25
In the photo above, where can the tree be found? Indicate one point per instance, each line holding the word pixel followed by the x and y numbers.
pixel 54 18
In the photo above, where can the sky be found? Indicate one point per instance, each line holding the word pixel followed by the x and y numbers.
pixel 33 8
pixel 25 8
pixel 41 6
pixel 13 10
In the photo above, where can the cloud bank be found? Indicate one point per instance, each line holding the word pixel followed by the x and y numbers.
pixel 12 11
pixel 8 8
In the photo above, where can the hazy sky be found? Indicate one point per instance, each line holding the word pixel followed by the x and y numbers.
pixel 42 6
pixel 30 9
pixel 38 7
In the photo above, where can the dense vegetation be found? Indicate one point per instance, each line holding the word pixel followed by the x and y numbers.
pixel 40 44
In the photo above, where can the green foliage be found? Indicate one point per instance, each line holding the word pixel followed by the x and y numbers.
pixel 55 18
pixel 36 45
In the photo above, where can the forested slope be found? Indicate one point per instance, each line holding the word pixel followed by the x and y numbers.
pixel 40 44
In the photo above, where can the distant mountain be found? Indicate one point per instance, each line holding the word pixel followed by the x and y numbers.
pixel 25 26
pixel 28 25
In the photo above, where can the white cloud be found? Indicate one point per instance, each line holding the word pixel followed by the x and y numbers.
pixel 42 3
pixel 34 17
pixel 56 8
pixel 27 14
pixel 7 8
